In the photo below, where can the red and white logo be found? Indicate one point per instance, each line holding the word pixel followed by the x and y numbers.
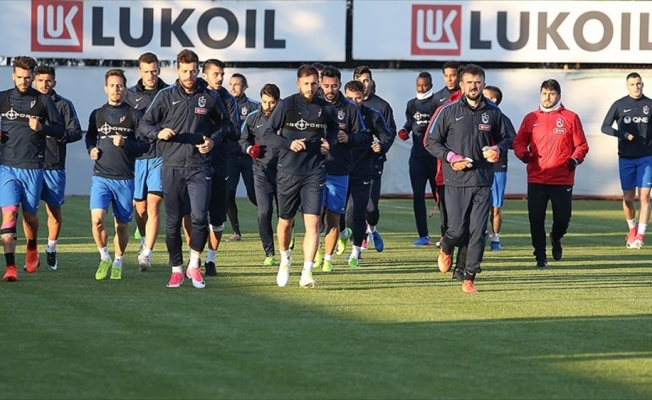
pixel 57 25
pixel 436 29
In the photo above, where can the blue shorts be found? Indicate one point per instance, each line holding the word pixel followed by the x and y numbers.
pixel 21 185
pixel 54 187
pixel 498 189
pixel 334 196
pixel 118 192
pixel 148 177
pixel 635 172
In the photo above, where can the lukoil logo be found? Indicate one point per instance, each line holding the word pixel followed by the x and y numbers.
pixel 436 29
pixel 57 25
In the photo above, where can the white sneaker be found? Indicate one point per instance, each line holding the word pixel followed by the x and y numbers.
pixel 307 280
pixel 196 278
pixel 144 262
pixel 283 276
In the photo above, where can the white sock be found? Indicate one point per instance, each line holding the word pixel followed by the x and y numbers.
pixel 104 253
pixel 355 252
pixel 496 237
pixel 372 228
pixel 194 260
pixel 328 257
pixel 117 262
pixel 178 269
pixel 146 252
pixel 307 266
pixel 142 241
pixel 631 223
pixel 642 228
pixel 285 255
pixel 52 246
pixel 344 234
pixel 210 255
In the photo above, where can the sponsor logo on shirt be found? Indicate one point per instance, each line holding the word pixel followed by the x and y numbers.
pixel 201 110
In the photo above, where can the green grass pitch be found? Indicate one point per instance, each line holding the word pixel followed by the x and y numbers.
pixel 393 329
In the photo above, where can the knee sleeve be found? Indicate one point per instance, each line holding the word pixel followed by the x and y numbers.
pixel 218 228
pixel 9 226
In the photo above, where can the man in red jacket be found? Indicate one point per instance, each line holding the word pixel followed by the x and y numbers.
pixel 551 142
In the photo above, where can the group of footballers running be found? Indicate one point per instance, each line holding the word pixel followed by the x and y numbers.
pixel 320 151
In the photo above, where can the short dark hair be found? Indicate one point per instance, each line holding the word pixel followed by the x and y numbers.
pixel 471 69
pixel 551 84
pixel 187 56
pixel 633 75
pixel 331 72
pixel 361 70
pixel 242 77
pixel 115 72
pixel 215 62
pixel 354 86
pixel 425 75
pixel 307 70
pixel 44 70
pixel 271 90
pixel 450 64
pixel 495 92
pixel 319 66
pixel 148 58
pixel 24 62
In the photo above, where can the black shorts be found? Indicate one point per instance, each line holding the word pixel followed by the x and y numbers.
pixel 219 195
pixel 299 190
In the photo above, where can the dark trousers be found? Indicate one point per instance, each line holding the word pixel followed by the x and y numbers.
pixel 356 206
pixel 183 185
pixel 265 187
pixel 239 165
pixel 441 203
pixel 561 198
pixel 467 209
pixel 422 171
pixel 373 212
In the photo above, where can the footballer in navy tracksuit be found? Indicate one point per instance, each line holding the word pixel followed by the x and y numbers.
pixel 27 117
pixel 422 166
pixel 54 173
pixel 632 115
pixel 379 159
pixel 301 127
pixel 362 171
pixel 460 131
pixel 240 164
pixel 264 170
pixel 187 163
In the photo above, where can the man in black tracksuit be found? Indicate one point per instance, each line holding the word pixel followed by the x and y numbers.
pixel 361 171
pixel 187 119
pixel 372 100
pixel 265 159
pixel 213 75
pixel 423 167
pixel 303 127
pixel 239 163
pixel 449 72
pixel 469 135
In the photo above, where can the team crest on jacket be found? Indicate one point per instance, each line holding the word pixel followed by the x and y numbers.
pixel 646 110
pixel 319 113
pixel 122 119
pixel 201 102
pixel 560 126
pixel 244 110
pixel 340 115
pixel 627 119
pixel 32 104
pixel 485 118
